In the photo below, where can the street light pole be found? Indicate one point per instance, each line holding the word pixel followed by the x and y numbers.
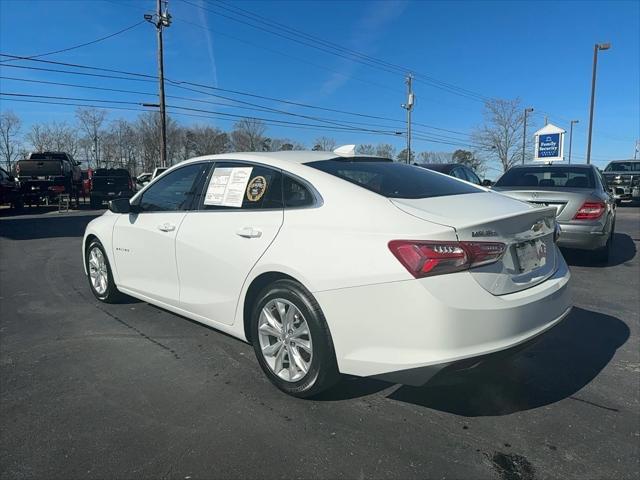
pixel 571 136
pixel 524 132
pixel 409 107
pixel 596 48
pixel 162 20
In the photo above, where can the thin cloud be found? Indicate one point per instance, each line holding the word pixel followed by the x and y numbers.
pixel 209 39
pixel 367 30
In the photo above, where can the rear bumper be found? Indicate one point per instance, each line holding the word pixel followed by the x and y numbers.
pixel 407 331
pixel 584 237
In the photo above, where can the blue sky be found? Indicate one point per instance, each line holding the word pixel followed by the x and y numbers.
pixel 538 51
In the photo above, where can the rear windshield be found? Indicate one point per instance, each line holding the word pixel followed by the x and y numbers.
pixel 623 167
pixel 111 172
pixel 569 177
pixel 394 180
pixel 47 156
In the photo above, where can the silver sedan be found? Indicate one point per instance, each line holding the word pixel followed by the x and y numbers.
pixel 585 209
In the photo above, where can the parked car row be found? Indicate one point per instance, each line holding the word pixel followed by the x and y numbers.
pixel 45 176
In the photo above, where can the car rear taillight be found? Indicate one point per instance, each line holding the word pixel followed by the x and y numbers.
pixel 426 258
pixel 590 211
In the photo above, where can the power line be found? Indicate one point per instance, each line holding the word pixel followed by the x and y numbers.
pixel 97 40
pixel 180 84
pixel 257 107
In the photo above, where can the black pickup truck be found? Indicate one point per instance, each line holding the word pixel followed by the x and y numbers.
pixel 47 175
pixel 109 184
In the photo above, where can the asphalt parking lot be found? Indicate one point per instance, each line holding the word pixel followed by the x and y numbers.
pixel 131 391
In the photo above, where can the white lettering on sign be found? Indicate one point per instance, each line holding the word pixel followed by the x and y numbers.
pixel 227 186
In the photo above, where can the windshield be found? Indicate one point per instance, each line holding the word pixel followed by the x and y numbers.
pixel 623 167
pixel 549 177
pixel 394 180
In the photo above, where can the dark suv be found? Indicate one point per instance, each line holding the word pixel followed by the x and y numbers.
pixel 108 184
pixel 456 170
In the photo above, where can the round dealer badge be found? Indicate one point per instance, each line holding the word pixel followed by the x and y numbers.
pixel 256 189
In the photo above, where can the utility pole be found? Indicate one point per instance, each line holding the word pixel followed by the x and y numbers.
pixel 571 123
pixel 596 48
pixel 524 132
pixel 161 20
pixel 95 150
pixel 409 107
pixel 635 150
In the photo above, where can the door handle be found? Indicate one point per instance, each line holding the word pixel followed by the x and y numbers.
pixel 249 232
pixel 166 227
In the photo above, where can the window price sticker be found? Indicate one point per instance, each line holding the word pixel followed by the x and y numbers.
pixel 227 186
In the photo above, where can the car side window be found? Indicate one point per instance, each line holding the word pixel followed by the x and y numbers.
pixel 473 178
pixel 295 194
pixel 174 191
pixel 458 173
pixel 242 186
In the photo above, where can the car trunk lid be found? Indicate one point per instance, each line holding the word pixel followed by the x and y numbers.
pixel 566 201
pixel 527 232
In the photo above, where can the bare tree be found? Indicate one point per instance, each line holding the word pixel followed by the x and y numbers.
pixel 282 144
pixel 38 137
pixel 55 137
pixel 10 144
pixel 91 120
pixel 501 135
pixel 248 136
pixel 366 149
pixel 204 140
pixel 471 160
pixel 324 144
pixel 385 150
pixel 434 157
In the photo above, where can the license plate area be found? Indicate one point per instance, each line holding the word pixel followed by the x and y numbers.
pixel 531 255
pixel 558 206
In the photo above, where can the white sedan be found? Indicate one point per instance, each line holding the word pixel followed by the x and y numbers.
pixel 332 263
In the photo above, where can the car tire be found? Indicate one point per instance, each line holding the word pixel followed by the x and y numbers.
pixel 103 288
pixel 603 254
pixel 302 310
pixel 18 204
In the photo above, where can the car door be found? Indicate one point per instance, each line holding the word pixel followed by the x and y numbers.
pixel 144 242
pixel 218 245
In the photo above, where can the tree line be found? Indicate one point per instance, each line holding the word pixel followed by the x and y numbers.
pixel 101 142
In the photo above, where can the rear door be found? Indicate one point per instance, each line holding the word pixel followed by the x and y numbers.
pixel 240 213
pixel 144 244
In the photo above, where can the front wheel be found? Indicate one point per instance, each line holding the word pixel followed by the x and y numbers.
pixel 291 340
pixel 99 274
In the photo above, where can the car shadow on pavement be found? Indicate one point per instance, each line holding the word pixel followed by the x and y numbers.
pixel 566 359
pixel 624 249
pixel 27 228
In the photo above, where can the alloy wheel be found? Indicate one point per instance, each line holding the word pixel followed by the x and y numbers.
pixel 98 271
pixel 285 339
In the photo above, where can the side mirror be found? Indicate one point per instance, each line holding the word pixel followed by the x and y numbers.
pixel 121 205
pixel 487 183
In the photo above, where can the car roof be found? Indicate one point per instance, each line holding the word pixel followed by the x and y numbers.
pixel 553 165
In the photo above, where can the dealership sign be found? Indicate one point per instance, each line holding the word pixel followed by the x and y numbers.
pixel 549 144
